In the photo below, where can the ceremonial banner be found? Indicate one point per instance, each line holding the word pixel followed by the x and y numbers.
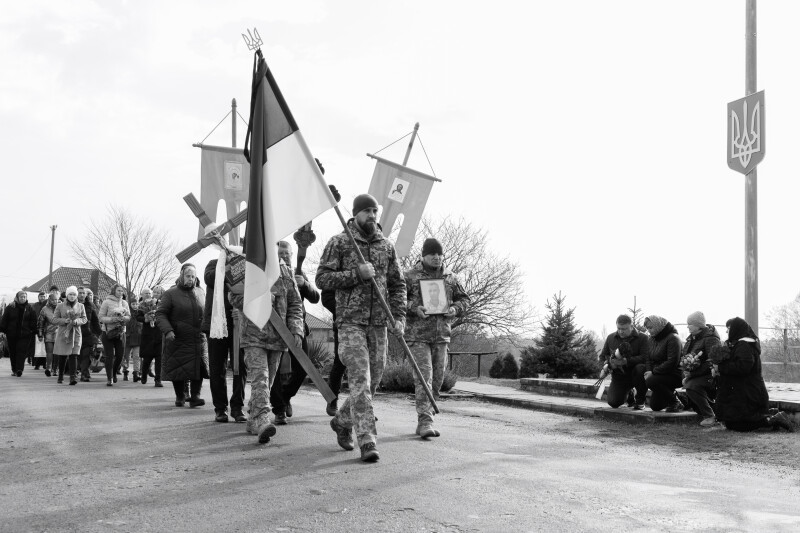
pixel 399 190
pixel 286 189
pixel 224 175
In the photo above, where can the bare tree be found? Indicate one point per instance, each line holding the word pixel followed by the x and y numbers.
pixel 128 249
pixel 499 306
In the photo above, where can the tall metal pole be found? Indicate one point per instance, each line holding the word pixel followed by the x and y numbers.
pixel 233 123
pixel 52 246
pixel 411 143
pixel 751 185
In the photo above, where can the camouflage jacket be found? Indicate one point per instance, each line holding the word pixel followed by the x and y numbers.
pixel 286 302
pixel 355 301
pixel 434 328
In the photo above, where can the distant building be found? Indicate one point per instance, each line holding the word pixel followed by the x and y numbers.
pixel 321 330
pixel 63 277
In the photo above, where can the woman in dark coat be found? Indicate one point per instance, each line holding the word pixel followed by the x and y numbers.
pixel 19 325
pixel 150 347
pixel 662 366
pixel 179 317
pixel 742 398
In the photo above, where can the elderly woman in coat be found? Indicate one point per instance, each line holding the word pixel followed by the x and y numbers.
pixel 70 315
pixel 19 325
pixel 742 398
pixel 114 315
pixel 179 317
pixel 47 330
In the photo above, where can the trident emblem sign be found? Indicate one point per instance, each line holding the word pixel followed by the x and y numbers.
pixel 746 133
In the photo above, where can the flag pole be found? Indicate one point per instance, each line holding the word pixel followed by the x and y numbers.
pixel 411 143
pixel 385 306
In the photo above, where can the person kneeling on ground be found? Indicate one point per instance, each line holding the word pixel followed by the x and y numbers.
pixel 662 372
pixel 742 398
pixel 627 369
pixel 697 379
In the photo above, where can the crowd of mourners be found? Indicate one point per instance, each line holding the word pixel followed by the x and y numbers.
pixel 722 381
pixel 185 335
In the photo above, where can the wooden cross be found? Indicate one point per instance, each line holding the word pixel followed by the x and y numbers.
pixel 214 237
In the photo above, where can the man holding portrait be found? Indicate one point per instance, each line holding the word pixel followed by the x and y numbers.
pixel 435 299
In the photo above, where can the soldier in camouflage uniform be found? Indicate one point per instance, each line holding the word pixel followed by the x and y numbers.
pixel 263 348
pixel 360 318
pixel 428 335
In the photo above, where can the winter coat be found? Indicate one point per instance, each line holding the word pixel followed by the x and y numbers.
pixel 92 329
pixel 181 311
pixel 111 310
pixel 47 328
pixel 355 301
pixel 639 344
pixel 68 335
pixel 665 353
pixel 741 393
pixel 433 328
pixel 286 302
pixel 19 321
pixel 133 332
pixel 150 337
pixel 703 341
pixel 209 276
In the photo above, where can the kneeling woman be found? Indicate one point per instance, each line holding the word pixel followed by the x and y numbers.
pixel 179 317
pixel 663 373
pixel 742 398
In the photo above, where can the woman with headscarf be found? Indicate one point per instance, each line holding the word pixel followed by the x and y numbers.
pixel 180 317
pixel 70 315
pixel 662 366
pixel 19 325
pixel 150 346
pixel 114 315
pixel 742 398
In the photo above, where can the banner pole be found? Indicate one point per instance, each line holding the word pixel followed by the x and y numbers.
pixel 411 143
pixel 385 306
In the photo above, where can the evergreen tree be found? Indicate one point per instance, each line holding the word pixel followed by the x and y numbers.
pixel 496 370
pixel 510 368
pixel 563 349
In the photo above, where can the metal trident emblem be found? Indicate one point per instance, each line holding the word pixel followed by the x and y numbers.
pixel 254 41
pixel 746 141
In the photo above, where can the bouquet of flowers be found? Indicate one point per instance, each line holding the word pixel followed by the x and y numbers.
pixel 148 307
pixel 72 315
pixel 719 353
pixel 691 361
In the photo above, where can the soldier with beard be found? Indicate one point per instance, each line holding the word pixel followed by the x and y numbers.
pixel 360 318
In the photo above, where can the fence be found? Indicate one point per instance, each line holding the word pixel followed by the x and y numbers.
pixel 470 364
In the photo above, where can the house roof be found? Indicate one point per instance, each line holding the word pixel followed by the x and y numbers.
pixel 64 277
pixel 315 322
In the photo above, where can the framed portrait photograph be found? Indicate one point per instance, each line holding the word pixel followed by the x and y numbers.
pixel 434 296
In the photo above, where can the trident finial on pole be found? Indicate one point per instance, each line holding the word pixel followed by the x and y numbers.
pixel 254 41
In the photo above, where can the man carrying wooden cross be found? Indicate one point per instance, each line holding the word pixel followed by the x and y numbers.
pixel 360 318
pixel 263 347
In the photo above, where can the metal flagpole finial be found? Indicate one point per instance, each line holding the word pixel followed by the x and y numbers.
pixel 253 40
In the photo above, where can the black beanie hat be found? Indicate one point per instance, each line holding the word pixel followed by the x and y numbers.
pixel 363 201
pixel 431 246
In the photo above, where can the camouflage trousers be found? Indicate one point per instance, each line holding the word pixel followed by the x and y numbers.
pixel 362 349
pixel 262 367
pixel 432 360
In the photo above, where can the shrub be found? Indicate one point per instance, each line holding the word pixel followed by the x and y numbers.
pixel 531 365
pixel 319 354
pixel 510 367
pixel 399 377
pixel 496 370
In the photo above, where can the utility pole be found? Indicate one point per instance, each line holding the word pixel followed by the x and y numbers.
pixel 52 247
pixel 751 185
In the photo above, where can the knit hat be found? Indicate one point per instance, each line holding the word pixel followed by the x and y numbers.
pixel 658 323
pixel 363 201
pixel 431 246
pixel 697 319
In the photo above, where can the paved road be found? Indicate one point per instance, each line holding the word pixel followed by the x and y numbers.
pixel 92 458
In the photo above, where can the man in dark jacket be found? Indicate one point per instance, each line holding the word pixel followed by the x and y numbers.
pixel 625 353
pixel 19 325
pixel 221 347
pixel 281 395
pixel 90 332
pixel 697 381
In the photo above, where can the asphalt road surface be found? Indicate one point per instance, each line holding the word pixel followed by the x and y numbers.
pixel 93 458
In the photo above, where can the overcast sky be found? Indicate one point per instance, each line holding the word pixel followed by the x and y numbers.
pixel 587 137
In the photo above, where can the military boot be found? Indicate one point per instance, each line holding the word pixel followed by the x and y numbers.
pixel 426 431
pixel 344 436
pixel 369 453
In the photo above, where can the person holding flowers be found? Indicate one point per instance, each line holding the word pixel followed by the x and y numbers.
pixel 696 367
pixel 114 315
pixel 69 316
pixel 662 373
